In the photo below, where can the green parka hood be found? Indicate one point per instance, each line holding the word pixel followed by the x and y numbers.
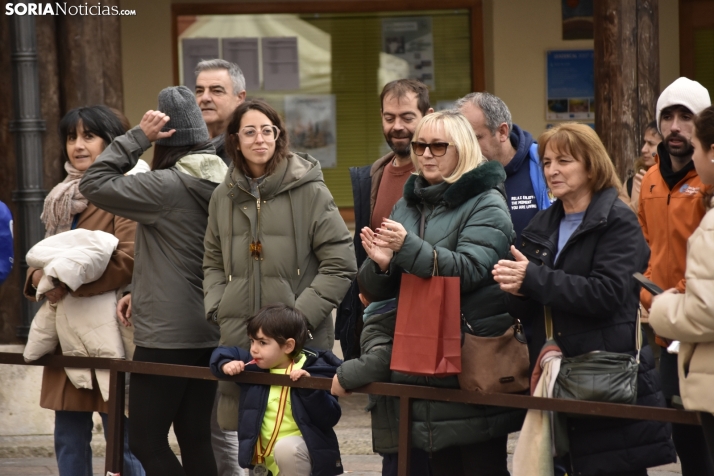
pixel 295 170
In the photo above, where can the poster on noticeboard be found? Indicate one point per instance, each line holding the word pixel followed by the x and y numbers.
pixel 311 120
pixel 410 39
pixel 570 85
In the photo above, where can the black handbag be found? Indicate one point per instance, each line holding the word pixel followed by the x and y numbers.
pixel 597 376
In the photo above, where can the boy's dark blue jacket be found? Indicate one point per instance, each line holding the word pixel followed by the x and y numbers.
pixel 315 411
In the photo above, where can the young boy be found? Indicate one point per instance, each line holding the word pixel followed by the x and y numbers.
pixel 379 317
pixel 281 430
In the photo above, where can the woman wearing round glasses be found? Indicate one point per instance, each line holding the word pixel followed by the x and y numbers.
pixel 467 223
pixel 274 235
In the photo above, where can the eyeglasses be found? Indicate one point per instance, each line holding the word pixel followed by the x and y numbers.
pixel 250 134
pixel 437 149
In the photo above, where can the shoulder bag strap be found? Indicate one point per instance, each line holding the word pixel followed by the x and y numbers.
pixel 548 323
pixel 422 222
pixel 638 329
pixel 638 334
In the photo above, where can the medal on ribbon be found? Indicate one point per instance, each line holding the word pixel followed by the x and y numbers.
pixel 260 469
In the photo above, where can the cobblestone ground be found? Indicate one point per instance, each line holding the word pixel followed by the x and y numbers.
pixel 34 456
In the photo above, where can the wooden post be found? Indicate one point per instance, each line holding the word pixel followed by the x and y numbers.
pixel 405 435
pixel 114 461
pixel 89 52
pixel 626 75
pixel 79 64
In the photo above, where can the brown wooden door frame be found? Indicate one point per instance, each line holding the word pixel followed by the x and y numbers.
pixel 475 8
pixel 693 14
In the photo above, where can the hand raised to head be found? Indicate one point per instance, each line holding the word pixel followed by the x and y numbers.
pixel 152 123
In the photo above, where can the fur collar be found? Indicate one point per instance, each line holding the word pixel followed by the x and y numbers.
pixel 485 177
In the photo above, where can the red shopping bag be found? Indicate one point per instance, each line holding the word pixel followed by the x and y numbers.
pixel 427 337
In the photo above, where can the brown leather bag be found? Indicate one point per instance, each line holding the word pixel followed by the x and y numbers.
pixel 495 364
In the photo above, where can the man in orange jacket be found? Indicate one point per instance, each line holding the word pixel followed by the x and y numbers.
pixel 671 207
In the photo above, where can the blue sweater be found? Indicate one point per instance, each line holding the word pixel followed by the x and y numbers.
pixel 525 185
pixel 315 411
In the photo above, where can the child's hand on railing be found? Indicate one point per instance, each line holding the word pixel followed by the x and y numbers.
pixel 296 374
pixel 234 367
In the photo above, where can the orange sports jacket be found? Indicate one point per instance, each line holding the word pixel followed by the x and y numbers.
pixel 668 218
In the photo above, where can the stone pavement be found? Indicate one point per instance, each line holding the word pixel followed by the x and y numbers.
pixel 22 456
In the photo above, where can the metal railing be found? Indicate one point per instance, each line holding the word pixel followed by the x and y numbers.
pixel 406 393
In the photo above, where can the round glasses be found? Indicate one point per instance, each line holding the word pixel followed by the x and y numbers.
pixel 438 149
pixel 250 134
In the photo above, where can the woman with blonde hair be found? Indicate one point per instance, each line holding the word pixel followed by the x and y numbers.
pixel 578 258
pixel 467 224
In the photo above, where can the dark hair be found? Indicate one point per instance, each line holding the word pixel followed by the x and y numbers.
pixel 652 126
pixel 364 290
pixel 122 118
pixel 98 120
pixel 704 130
pixel 166 156
pixel 232 141
pixel 280 322
pixel 401 87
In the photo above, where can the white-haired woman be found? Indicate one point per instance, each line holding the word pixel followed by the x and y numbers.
pixel 467 222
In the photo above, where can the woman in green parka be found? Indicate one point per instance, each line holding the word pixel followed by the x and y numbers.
pixel 468 224
pixel 274 235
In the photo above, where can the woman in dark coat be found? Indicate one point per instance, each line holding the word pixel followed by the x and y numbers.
pixel 578 257
pixel 468 225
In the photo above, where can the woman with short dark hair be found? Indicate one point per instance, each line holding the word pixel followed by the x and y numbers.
pixel 274 235
pixel 578 258
pixel 85 133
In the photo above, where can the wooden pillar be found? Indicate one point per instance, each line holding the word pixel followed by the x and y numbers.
pixel 79 64
pixel 89 58
pixel 626 75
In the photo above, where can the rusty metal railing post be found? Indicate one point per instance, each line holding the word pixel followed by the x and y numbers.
pixel 114 462
pixel 405 435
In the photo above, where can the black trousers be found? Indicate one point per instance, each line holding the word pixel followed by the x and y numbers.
pixel 488 458
pixel 688 439
pixel 155 402
pixel 708 429
pixel 418 464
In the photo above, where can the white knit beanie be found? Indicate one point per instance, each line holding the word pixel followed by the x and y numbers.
pixel 683 92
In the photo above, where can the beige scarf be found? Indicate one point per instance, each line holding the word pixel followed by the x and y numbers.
pixel 63 202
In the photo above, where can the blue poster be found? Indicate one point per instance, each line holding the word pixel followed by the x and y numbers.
pixel 570 85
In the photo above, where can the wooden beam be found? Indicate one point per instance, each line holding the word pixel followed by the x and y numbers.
pixel 626 75
pixel 89 57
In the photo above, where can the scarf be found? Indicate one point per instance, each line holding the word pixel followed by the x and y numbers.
pixel 63 202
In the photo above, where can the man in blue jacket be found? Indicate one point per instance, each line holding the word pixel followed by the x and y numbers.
pixel 515 149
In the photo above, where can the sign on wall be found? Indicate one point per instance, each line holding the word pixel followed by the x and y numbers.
pixel 411 39
pixel 570 85
pixel 311 122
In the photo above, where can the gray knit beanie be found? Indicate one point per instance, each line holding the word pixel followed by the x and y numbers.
pixel 179 103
